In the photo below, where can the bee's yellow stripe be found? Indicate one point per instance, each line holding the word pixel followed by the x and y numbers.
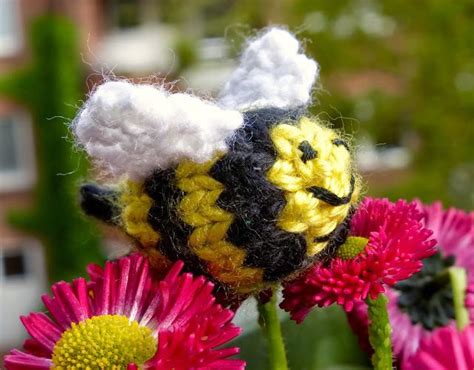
pixel 135 204
pixel 331 169
pixel 210 224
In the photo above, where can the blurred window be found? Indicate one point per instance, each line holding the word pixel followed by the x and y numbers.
pixel 14 264
pixel 8 154
pixel 10 30
pixel 16 152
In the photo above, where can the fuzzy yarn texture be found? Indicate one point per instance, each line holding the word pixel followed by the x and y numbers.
pixel 396 244
pixel 178 313
pixel 272 73
pixel 248 198
pixel 135 129
pixel 453 230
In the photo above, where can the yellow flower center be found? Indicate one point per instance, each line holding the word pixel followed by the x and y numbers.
pixel 353 246
pixel 104 342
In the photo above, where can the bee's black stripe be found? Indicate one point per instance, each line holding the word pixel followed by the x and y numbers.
pixel 163 217
pixel 329 197
pixel 100 203
pixel 324 238
pixel 254 201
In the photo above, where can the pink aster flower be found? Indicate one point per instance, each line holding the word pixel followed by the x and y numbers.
pixel 424 302
pixel 446 349
pixel 389 246
pixel 122 318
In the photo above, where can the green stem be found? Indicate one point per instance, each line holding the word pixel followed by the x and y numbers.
pixel 380 333
pixel 459 285
pixel 270 324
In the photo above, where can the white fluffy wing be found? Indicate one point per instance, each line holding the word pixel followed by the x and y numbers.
pixel 272 73
pixel 136 129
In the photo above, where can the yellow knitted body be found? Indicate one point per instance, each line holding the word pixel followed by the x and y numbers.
pixel 135 205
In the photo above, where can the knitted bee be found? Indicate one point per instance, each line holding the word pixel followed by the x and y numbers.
pixel 247 190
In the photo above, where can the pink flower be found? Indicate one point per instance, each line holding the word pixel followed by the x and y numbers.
pixel 446 349
pixel 395 244
pixel 124 318
pixel 470 301
pixel 423 303
pixel 454 231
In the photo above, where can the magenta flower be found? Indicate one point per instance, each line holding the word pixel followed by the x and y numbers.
pixel 470 300
pixel 123 318
pixel 389 246
pixel 424 302
pixel 446 349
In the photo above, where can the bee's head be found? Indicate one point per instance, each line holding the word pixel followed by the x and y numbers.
pixel 314 168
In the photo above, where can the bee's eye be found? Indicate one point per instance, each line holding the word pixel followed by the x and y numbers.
pixel 307 150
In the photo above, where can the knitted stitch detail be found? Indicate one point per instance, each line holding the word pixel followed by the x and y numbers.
pixel 134 219
pixel 198 209
pixel 135 207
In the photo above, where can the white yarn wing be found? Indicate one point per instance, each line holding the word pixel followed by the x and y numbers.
pixel 136 129
pixel 272 73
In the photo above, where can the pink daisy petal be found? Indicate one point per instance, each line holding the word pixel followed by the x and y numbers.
pixel 56 312
pixel 446 349
pixel 81 292
pixel 124 266
pixel 94 271
pixel 139 294
pixel 71 302
pixel 18 360
pixel 33 347
pixel 47 339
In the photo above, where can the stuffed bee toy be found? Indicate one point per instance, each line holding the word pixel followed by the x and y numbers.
pixel 248 189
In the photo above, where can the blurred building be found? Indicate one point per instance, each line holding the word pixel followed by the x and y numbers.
pixel 118 37
pixel 22 261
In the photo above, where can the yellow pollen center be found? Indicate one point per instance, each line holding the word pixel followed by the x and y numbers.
pixel 353 246
pixel 104 342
